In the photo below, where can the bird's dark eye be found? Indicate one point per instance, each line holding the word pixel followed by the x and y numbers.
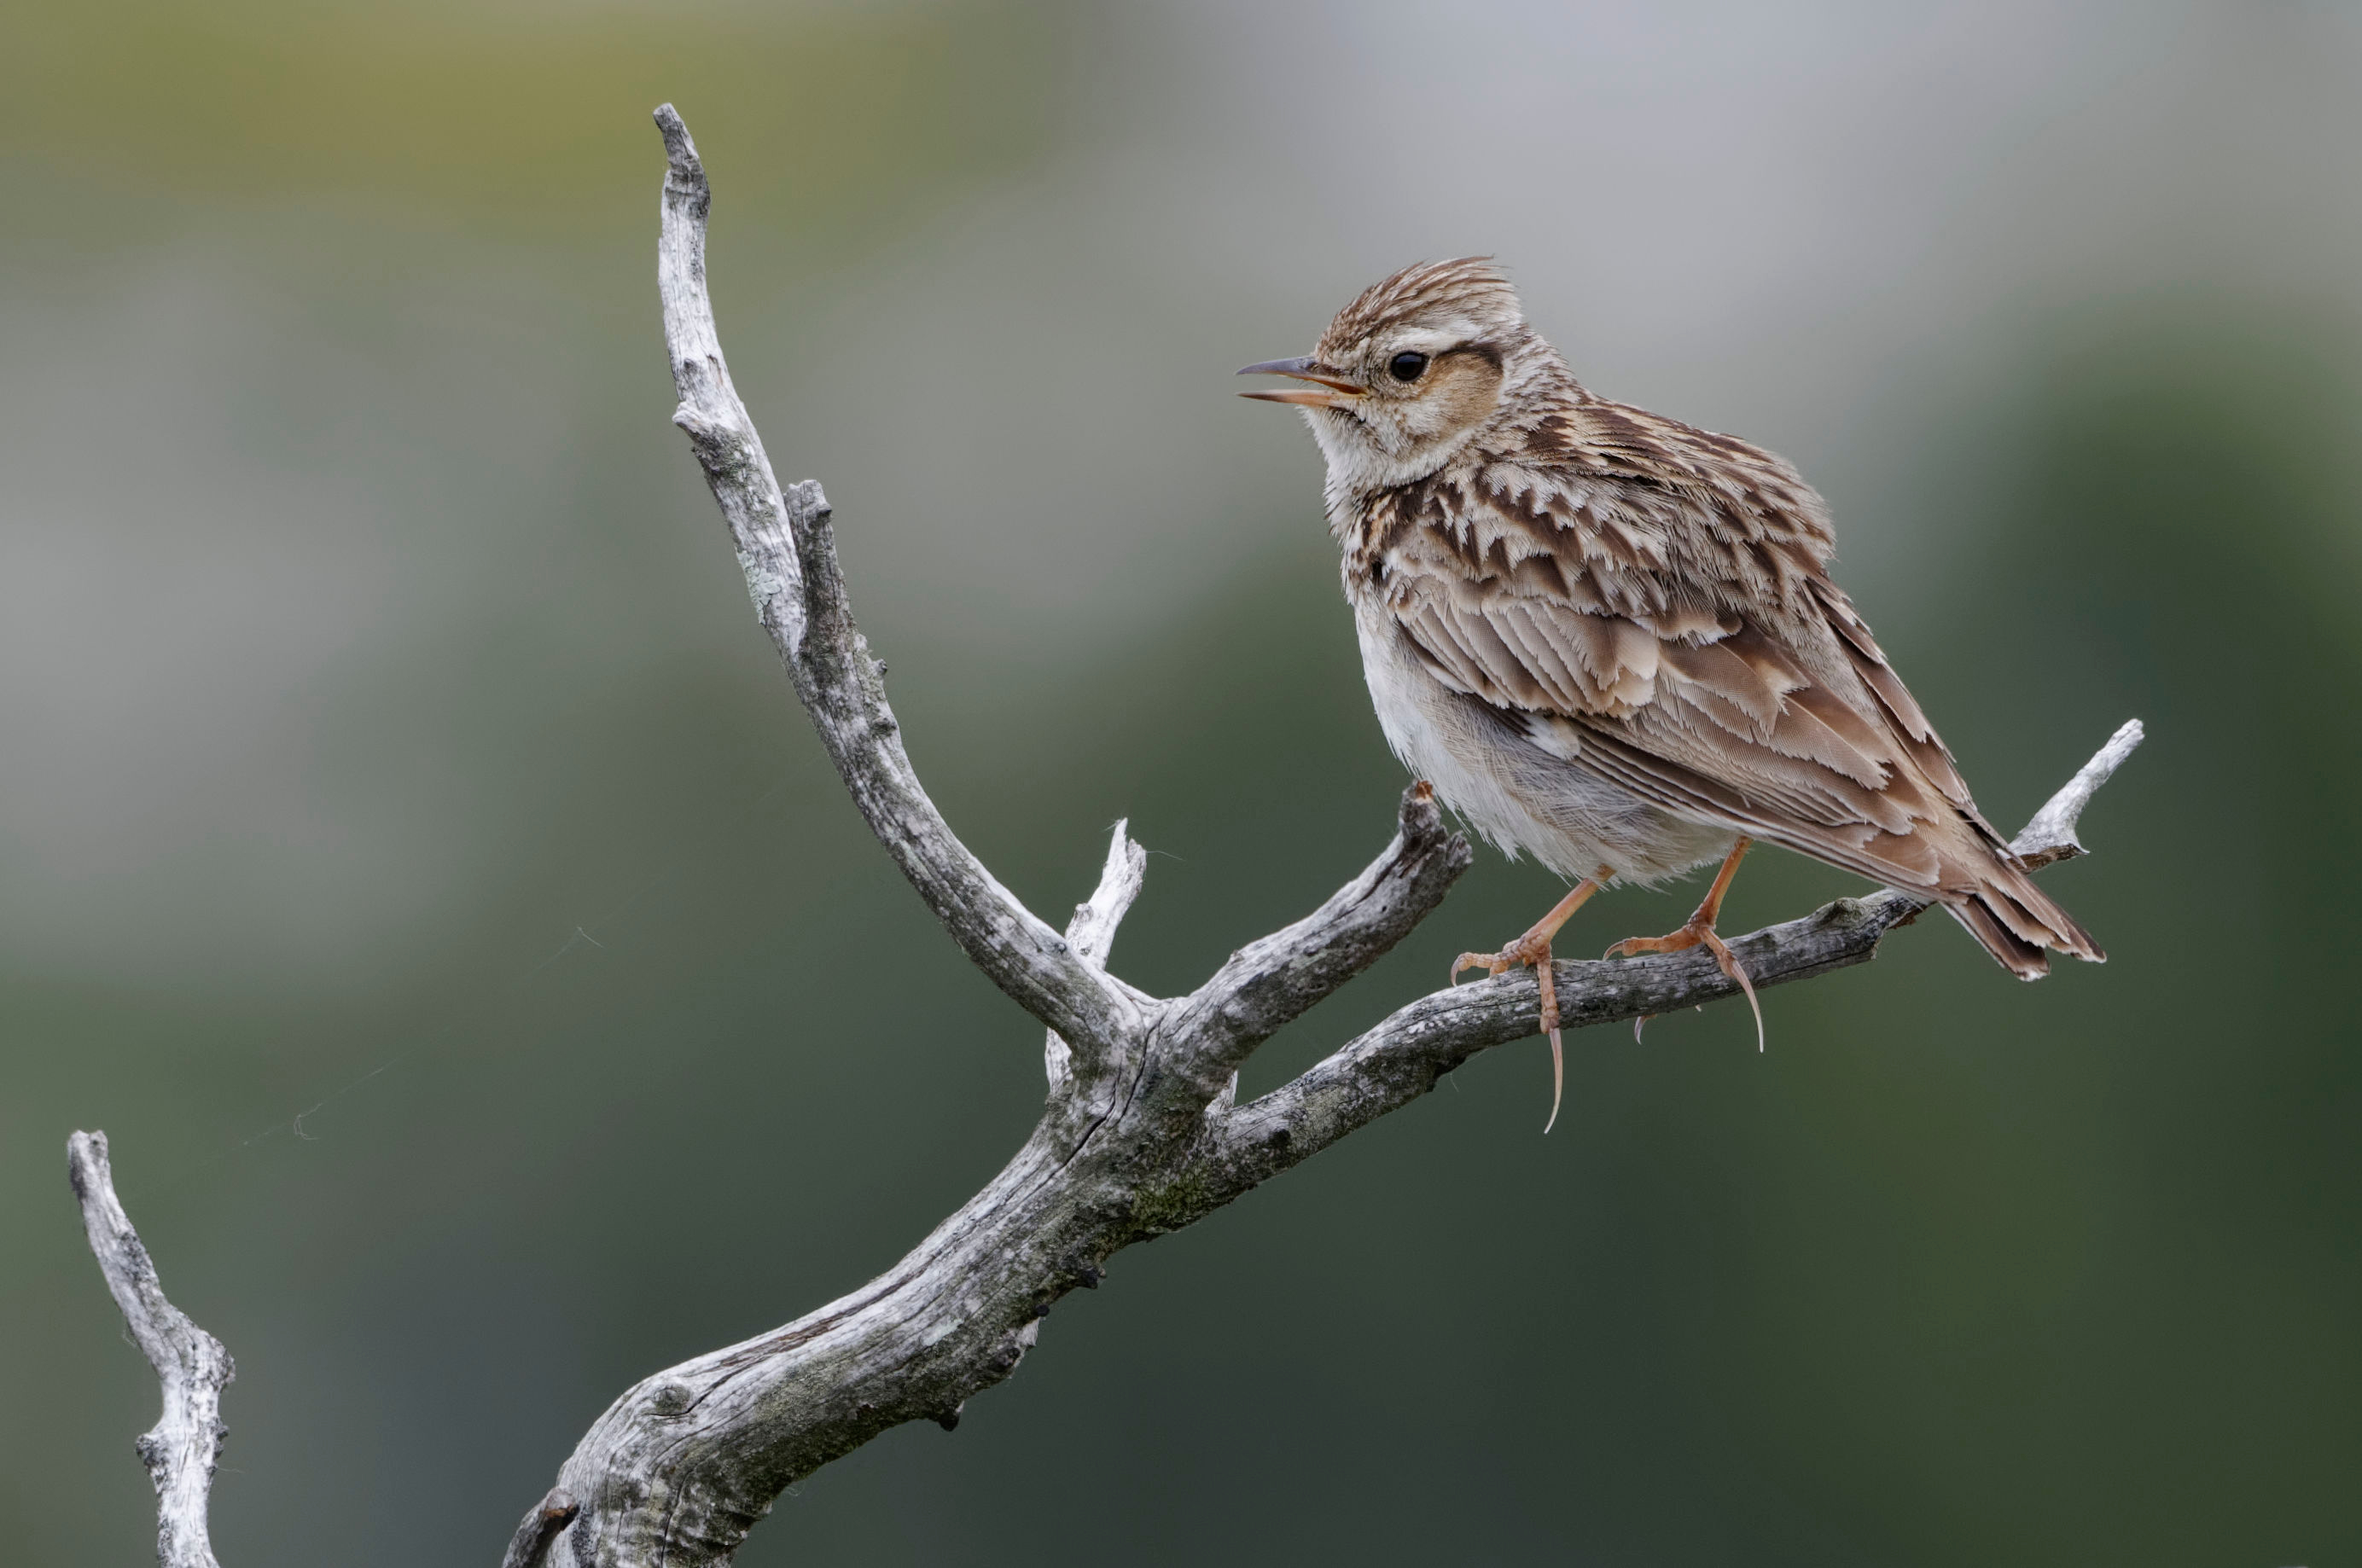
pixel 1407 366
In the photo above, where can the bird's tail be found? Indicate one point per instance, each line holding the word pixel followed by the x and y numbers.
pixel 2015 921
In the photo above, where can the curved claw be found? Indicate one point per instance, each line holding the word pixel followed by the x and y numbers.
pixel 1737 971
pixel 1533 950
pixel 1492 963
pixel 1557 1080
pixel 1548 979
pixel 1695 935
pixel 1520 953
pixel 1698 930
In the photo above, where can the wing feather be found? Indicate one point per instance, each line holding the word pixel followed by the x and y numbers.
pixel 1786 723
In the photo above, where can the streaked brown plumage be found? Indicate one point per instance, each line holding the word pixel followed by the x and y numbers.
pixel 1610 638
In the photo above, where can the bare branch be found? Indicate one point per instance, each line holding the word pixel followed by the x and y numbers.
pixel 1403 1056
pixel 2050 836
pixel 789 558
pixel 1092 935
pixel 1409 1052
pixel 1092 931
pixel 1276 978
pixel 682 1465
pixel 529 1547
pixel 184 1446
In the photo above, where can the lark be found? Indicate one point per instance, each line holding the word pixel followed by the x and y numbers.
pixel 1610 639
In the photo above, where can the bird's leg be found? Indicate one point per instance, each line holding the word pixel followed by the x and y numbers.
pixel 1698 931
pixel 1534 948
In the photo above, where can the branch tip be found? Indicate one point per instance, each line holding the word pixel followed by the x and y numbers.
pixel 681 150
pixel 2049 835
pixel 183 1448
pixel 1277 978
pixel 540 1529
pixel 1090 936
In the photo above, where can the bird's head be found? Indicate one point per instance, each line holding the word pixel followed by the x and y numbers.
pixel 1410 370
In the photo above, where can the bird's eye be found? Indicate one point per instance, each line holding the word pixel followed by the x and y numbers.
pixel 1407 366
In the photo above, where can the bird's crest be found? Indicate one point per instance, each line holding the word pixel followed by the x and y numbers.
pixel 1469 289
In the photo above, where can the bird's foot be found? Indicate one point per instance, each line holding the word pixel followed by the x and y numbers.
pixel 1697 933
pixel 1532 949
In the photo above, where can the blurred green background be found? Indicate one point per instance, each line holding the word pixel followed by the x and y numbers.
pixel 410 854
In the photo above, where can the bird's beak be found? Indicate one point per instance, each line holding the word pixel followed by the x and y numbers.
pixel 1333 392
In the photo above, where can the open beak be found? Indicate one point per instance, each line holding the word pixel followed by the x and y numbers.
pixel 1333 392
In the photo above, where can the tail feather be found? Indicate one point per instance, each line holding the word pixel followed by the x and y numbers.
pixel 2012 951
pixel 2014 921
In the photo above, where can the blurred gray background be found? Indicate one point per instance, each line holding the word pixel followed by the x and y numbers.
pixel 410 854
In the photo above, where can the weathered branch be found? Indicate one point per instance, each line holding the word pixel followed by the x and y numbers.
pixel 529 1547
pixel 1139 1137
pixel 1270 983
pixel 1403 1056
pixel 789 559
pixel 184 1446
pixel 1091 933
pixel 2050 837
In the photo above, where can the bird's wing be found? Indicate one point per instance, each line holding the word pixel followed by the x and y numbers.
pixel 1724 724
pixel 1685 641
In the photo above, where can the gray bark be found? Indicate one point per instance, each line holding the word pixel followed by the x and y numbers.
pixel 529 1547
pixel 182 1449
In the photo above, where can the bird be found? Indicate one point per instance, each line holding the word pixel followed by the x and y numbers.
pixel 1611 641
